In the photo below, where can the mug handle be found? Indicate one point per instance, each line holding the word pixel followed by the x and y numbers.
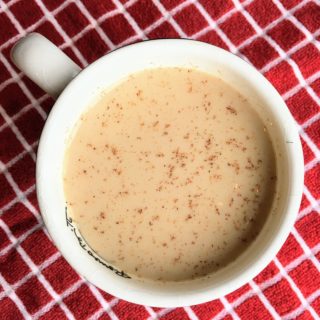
pixel 44 63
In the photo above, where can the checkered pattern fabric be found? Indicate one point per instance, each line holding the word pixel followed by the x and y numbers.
pixel 280 38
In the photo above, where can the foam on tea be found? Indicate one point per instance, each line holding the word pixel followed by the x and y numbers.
pixel 170 175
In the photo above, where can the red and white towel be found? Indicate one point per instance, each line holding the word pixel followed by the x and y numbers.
pixel 280 38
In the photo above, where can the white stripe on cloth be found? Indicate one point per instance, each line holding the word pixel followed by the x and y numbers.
pixel 23 87
pixel 106 306
pixel 23 280
pixel 36 272
pixel 168 16
pixel 304 302
pixel 257 290
pixel 12 295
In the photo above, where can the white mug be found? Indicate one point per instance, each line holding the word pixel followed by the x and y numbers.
pixel 77 89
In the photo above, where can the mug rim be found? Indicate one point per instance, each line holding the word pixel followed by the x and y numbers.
pixel 278 239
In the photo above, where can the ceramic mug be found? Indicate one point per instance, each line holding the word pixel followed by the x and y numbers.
pixel 77 89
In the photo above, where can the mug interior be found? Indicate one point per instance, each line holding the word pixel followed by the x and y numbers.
pixel 105 73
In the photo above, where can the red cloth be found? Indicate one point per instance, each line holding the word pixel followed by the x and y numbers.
pixel 279 38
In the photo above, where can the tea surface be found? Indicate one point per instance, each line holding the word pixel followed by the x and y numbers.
pixel 170 175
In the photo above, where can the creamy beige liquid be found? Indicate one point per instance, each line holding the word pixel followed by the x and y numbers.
pixel 170 175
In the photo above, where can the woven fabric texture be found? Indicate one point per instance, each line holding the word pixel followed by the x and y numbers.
pixel 280 38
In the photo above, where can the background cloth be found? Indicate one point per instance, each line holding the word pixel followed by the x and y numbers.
pixel 280 38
